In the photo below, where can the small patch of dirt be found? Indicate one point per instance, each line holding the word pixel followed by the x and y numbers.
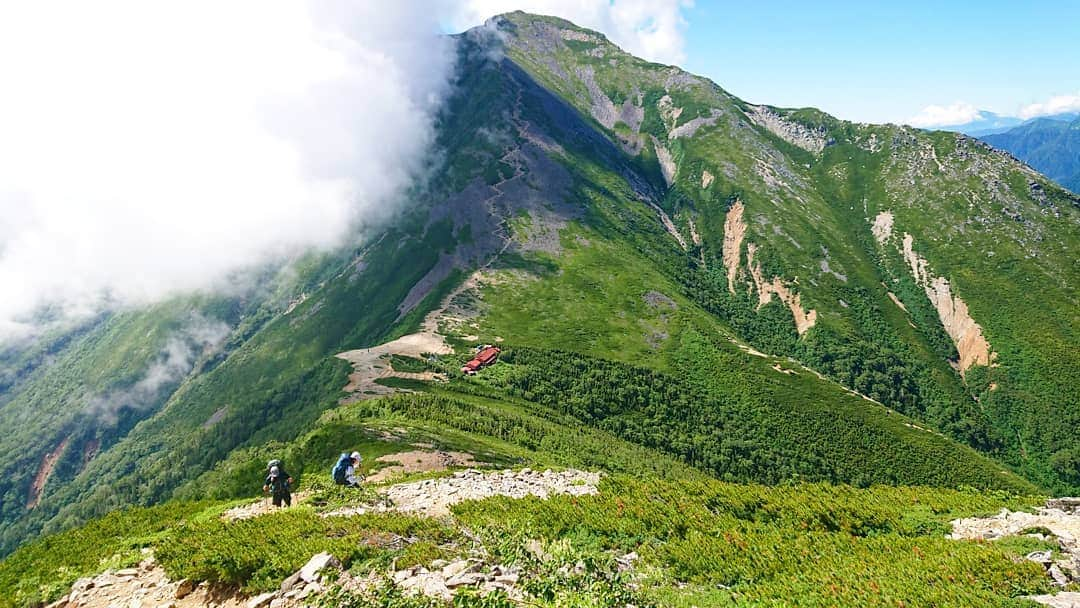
pixel 262 507
pixel 419 461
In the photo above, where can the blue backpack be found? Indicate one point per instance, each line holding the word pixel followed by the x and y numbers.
pixel 340 469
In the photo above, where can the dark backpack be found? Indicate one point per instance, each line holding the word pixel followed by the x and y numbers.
pixel 280 483
pixel 341 469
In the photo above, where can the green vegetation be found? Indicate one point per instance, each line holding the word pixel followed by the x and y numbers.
pixel 753 545
pixel 699 542
pixel 43 570
pixel 258 553
pixel 626 351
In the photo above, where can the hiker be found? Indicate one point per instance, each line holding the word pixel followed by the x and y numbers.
pixel 346 470
pixel 278 483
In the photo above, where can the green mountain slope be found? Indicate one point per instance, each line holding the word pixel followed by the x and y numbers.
pixel 738 291
pixel 1051 146
pixel 990 242
pixel 699 541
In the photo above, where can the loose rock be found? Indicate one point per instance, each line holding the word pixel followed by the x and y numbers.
pixel 318 563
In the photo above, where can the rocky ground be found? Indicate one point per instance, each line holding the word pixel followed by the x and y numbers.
pixel 433 497
pixel 147 586
pixel 1058 521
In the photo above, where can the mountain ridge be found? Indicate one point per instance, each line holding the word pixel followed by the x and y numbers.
pixel 580 181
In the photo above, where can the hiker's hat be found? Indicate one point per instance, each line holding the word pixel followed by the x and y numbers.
pixel 356 456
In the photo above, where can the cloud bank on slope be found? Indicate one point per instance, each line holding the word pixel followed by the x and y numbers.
pixel 197 338
pixel 153 148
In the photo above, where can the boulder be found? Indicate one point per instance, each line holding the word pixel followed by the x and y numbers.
pixel 465 579
pixel 1066 599
pixel 318 563
pixel 184 587
pixel 60 603
pixel 261 600
pixel 1066 504
pixel 401 575
pixel 289 583
pixel 430 584
pixel 1040 557
pixel 1058 576
pixel 311 589
pixel 459 567
pixel 536 548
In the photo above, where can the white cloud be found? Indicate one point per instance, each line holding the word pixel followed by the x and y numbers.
pixel 154 148
pixel 198 337
pixel 150 148
pixel 652 29
pixel 1055 105
pixel 939 116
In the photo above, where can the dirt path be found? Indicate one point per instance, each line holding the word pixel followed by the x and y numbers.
pixel 370 364
pixel 419 461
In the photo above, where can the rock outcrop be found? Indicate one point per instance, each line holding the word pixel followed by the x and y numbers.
pixel 1058 521
pixel 811 140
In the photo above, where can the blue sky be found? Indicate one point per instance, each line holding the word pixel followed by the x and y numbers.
pixel 886 61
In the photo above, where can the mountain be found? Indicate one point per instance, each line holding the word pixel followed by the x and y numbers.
pixel 685 286
pixel 985 123
pixel 1048 144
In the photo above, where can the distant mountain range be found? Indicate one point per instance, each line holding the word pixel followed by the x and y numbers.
pixel 987 122
pixel 1050 145
pixel 991 123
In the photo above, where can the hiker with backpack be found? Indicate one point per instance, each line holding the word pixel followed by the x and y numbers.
pixel 345 472
pixel 278 483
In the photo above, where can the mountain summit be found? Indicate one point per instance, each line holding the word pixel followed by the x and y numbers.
pixel 682 284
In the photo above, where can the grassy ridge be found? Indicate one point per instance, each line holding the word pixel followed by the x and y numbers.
pixel 700 542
